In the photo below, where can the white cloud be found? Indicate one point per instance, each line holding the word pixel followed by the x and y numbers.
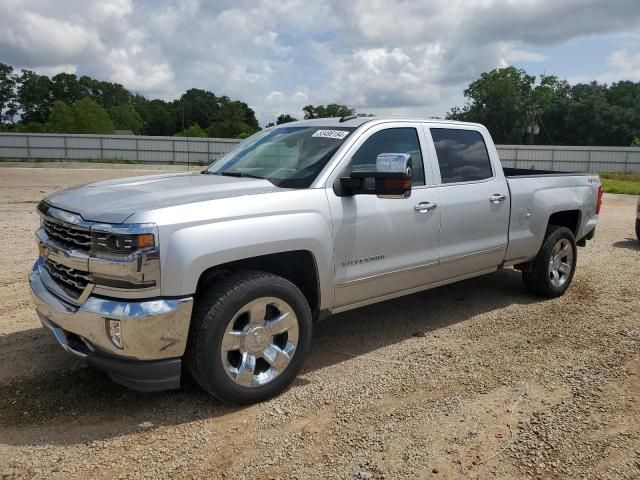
pixel 279 55
pixel 53 70
pixel 512 55
pixel 145 77
pixel 625 66
pixel 111 9
pixel 380 77
pixel 45 38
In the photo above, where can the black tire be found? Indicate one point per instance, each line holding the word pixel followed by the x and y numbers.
pixel 214 311
pixel 538 280
pixel 638 229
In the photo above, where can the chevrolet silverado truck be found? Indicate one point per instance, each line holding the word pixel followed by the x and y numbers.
pixel 223 273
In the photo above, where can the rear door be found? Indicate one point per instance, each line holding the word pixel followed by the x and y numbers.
pixel 474 199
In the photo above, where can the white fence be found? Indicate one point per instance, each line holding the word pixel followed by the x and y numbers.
pixel 571 159
pixel 42 146
pixel 134 148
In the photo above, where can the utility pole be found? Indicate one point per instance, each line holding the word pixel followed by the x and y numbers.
pixel 533 128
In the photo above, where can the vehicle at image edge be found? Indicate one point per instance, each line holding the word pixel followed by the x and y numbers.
pixel 225 271
pixel 638 220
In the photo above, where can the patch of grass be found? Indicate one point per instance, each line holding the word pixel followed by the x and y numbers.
pixel 627 183
pixel 107 160
pixel 628 177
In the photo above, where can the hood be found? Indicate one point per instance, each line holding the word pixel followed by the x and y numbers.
pixel 112 201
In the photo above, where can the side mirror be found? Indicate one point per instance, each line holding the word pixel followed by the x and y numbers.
pixel 390 179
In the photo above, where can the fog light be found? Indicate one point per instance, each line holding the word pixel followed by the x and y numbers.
pixel 114 331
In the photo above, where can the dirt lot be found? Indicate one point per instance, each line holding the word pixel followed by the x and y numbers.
pixel 474 380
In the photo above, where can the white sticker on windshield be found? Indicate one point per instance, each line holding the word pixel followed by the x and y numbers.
pixel 337 134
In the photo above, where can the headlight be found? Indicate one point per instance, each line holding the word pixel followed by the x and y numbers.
pixel 122 239
pixel 125 256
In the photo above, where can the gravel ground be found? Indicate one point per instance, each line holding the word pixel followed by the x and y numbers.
pixel 473 380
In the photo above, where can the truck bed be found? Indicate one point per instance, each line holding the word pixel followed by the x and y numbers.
pixel 535 195
pixel 530 172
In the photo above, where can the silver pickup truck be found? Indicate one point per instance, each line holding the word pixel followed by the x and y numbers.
pixel 225 271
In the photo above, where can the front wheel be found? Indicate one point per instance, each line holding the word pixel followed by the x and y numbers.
pixel 553 268
pixel 249 336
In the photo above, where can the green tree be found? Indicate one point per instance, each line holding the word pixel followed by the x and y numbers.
pixel 106 94
pixel 156 116
pixel 91 117
pixel 30 97
pixel 326 111
pixel 501 100
pixel 8 81
pixel 34 97
pixel 126 117
pixel 66 88
pixel 557 104
pixel 624 98
pixel 195 106
pixel 193 131
pixel 232 121
pixel 508 100
pixel 62 119
pixel 250 118
pixel 31 127
pixel 636 142
pixel 285 119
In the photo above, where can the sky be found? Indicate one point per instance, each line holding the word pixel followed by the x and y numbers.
pixel 383 57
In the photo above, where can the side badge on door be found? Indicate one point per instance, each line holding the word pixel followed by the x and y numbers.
pixel 362 260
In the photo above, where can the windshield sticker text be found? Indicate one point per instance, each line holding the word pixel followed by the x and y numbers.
pixel 337 134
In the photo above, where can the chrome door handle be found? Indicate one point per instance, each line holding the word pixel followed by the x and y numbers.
pixel 497 198
pixel 424 207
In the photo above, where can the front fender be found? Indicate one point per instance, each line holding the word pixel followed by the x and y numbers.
pixel 192 250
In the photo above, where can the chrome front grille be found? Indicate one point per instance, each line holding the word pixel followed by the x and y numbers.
pixel 69 278
pixel 68 235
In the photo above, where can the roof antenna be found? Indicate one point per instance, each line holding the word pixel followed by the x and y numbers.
pixel 351 114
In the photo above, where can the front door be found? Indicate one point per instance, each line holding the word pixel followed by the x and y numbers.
pixel 385 246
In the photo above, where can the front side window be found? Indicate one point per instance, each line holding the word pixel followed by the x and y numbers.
pixel 391 140
pixel 462 155
pixel 288 157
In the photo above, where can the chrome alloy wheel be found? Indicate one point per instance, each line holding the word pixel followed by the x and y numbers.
pixel 560 263
pixel 259 341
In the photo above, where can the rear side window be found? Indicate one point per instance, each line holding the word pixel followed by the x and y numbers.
pixel 462 155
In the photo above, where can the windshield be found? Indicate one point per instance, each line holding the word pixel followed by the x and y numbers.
pixel 289 157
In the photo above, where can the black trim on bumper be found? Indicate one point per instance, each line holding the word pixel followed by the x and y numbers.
pixel 140 375
pixel 589 236
pixel 143 376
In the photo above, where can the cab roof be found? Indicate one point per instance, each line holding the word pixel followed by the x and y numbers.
pixel 357 121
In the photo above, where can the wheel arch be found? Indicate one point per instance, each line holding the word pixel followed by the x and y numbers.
pixel 297 266
pixel 566 218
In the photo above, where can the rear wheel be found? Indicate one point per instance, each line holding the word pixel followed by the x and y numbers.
pixel 249 336
pixel 553 268
pixel 638 229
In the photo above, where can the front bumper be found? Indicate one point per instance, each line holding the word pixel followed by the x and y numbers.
pixel 154 333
